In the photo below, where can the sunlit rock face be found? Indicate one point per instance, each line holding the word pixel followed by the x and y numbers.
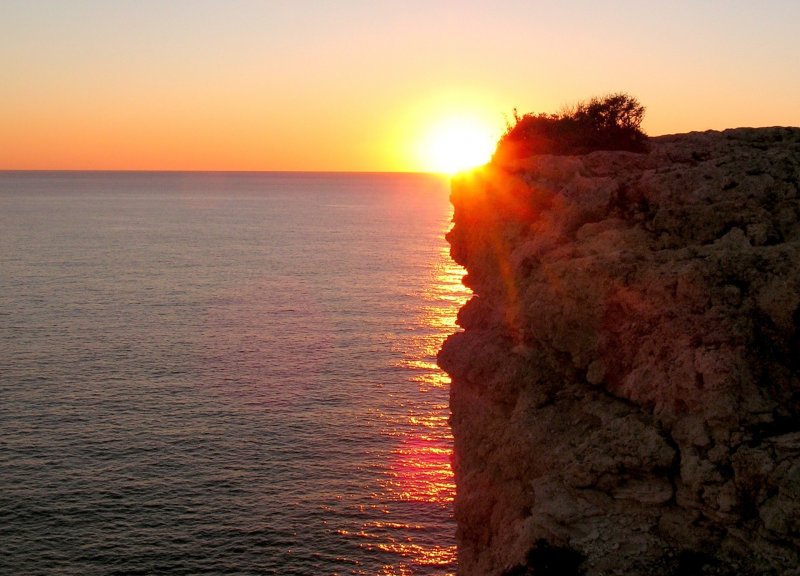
pixel 626 390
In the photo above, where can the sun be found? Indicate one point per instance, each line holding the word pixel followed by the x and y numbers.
pixel 455 144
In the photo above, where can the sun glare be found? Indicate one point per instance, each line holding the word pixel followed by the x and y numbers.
pixel 457 144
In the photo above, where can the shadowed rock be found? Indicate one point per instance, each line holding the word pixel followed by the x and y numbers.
pixel 626 389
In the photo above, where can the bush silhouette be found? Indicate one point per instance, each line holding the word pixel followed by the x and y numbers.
pixel 608 123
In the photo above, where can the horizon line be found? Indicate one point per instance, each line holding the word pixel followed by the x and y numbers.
pixel 191 171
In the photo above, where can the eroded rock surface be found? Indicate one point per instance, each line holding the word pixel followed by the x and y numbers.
pixel 626 390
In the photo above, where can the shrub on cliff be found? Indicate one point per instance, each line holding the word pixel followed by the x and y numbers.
pixel 608 123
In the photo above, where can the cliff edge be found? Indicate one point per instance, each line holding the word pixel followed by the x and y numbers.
pixel 626 390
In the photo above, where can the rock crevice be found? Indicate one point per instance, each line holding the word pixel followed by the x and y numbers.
pixel 626 386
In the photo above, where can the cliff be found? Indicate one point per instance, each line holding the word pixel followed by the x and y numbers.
pixel 626 389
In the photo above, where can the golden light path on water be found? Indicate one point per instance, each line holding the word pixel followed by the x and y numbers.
pixel 421 469
pixel 419 473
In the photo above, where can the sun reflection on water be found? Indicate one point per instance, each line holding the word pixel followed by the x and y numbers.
pixel 417 482
pixel 419 473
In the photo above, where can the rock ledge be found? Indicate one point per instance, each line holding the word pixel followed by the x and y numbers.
pixel 626 390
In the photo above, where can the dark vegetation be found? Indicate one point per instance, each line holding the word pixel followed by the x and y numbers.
pixel 608 123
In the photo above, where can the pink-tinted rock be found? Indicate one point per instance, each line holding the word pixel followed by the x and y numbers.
pixel 626 390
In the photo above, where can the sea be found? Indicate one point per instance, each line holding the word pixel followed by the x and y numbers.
pixel 225 373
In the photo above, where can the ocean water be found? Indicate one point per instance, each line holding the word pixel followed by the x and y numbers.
pixel 225 374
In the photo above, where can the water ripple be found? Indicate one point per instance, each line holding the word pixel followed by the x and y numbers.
pixel 225 374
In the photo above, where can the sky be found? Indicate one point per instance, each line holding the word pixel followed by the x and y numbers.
pixel 355 85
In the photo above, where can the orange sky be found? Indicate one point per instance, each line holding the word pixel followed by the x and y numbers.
pixel 353 84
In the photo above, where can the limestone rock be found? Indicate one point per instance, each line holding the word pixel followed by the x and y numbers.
pixel 626 390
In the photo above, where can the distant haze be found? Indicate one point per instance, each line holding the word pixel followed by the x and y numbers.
pixel 351 85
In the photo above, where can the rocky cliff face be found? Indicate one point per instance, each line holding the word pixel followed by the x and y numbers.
pixel 626 390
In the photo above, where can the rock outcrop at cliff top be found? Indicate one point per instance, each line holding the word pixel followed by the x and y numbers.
pixel 626 390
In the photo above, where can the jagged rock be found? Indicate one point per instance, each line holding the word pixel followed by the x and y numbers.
pixel 626 390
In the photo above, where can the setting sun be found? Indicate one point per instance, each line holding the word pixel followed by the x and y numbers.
pixel 456 144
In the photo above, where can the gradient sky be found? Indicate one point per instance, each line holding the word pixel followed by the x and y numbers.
pixel 352 84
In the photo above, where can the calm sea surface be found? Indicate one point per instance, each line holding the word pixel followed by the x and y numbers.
pixel 225 374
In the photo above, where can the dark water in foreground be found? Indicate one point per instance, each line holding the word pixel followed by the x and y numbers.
pixel 224 374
